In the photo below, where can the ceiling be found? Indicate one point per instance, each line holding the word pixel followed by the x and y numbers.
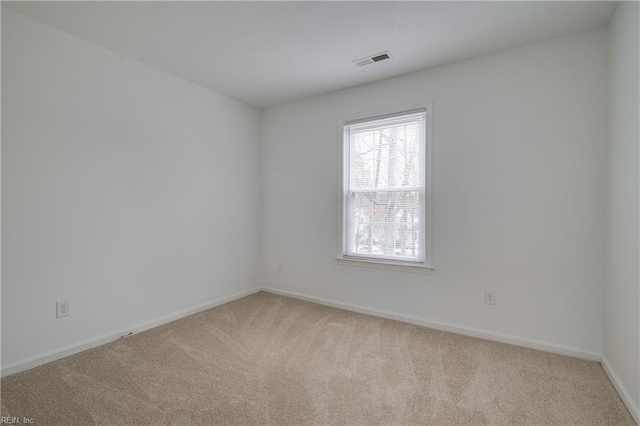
pixel 267 53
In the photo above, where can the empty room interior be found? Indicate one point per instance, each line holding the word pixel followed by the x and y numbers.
pixel 320 213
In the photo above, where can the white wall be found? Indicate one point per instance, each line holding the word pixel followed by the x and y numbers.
pixel 116 194
pixel 126 190
pixel 518 180
pixel 621 332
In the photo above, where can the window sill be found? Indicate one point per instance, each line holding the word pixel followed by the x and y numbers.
pixel 380 264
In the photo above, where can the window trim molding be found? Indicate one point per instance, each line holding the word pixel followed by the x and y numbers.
pixel 415 268
pixel 427 264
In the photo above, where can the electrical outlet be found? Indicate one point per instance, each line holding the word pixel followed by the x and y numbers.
pixel 489 297
pixel 281 268
pixel 63 308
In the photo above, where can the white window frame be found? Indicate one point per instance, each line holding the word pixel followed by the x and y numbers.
pixel 370 260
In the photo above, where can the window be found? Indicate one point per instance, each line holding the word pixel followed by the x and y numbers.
pixel 384 189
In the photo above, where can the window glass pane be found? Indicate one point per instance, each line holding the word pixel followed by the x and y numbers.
pixel 364 207
pixel 387 157
pixel 387 223
pixel 362 238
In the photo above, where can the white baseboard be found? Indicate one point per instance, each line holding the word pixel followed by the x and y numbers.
pixel 622 390
pixel 66 351
pixel 467 331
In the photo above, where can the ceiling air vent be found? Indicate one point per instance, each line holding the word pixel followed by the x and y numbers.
pixel 371 59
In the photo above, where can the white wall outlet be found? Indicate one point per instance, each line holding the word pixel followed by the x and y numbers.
pixel 489 297
pixel 63 308
pixel 281 268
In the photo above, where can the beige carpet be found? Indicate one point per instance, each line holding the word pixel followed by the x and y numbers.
pixel 268 359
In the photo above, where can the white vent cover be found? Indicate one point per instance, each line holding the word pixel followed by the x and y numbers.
pixel 371 59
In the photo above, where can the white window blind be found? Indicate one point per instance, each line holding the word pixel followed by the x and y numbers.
pixel 384 188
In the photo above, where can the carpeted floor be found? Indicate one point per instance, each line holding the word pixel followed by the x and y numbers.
pixel 267 359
